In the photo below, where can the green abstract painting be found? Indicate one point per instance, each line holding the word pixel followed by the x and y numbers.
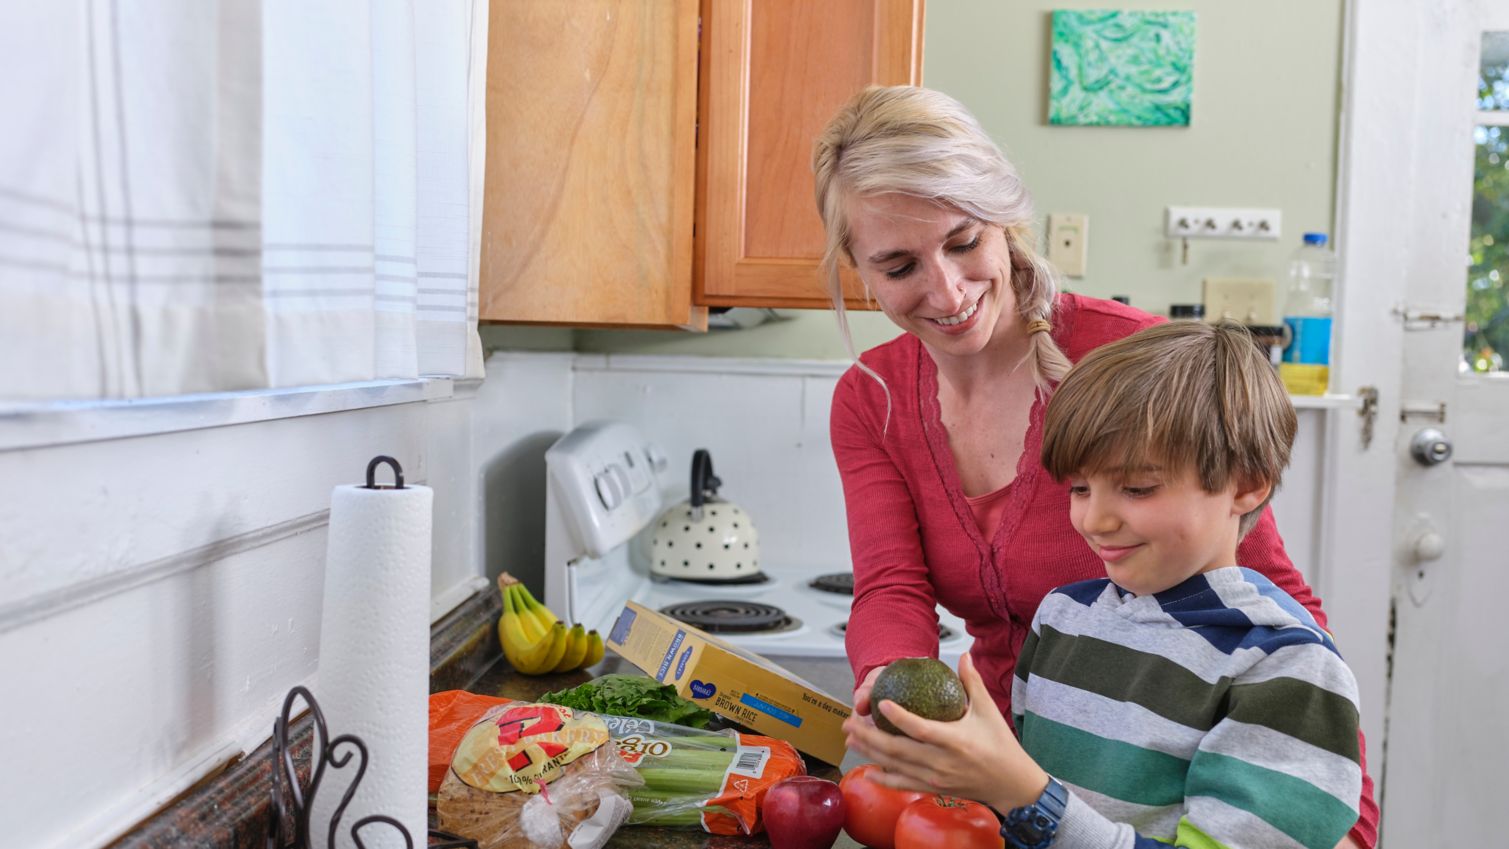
pixel 1122 68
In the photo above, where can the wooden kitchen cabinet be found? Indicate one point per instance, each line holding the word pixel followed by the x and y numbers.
pixel 603 147
pixel 591 152
pixel 773 73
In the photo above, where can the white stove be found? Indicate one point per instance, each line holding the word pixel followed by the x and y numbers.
pixel 605 489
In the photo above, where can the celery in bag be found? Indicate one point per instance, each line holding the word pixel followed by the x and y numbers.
pixel 697 778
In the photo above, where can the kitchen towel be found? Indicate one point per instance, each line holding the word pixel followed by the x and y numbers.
pixel 374 659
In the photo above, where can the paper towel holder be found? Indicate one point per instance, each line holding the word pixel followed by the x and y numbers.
pixel 323 753
pixel 372 473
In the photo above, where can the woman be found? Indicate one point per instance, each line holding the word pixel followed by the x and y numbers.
pixel 937 433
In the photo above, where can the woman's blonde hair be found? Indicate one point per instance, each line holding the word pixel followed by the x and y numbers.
pixel 919 142
pixel 1182 395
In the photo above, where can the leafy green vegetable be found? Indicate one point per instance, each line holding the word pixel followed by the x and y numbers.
pixel 632 695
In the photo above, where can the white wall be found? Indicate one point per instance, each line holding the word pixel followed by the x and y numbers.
pixel 163 592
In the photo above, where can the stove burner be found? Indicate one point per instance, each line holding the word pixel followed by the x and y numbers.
pixel 753 578
pixel 834 582
pixel 722 616
pixel 945 633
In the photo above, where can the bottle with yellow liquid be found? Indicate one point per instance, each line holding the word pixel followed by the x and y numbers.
pixel 1306 364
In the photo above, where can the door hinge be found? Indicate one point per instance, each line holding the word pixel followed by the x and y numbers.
pixel 1422 319
pixel 1368 412
pixel 1423 409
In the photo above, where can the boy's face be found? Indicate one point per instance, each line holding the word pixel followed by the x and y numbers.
pixel 1155 528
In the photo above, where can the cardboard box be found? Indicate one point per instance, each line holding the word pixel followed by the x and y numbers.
pixel 731 682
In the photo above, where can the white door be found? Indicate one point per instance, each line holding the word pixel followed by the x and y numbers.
pixel 1421 151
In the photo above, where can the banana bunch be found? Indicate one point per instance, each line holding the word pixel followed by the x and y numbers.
pixel 536 642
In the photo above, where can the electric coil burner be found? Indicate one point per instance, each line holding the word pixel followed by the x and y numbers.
pixel 945 633
pixel 723 616
pixel 841 583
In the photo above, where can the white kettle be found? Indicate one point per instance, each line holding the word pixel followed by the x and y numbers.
pixel 705 538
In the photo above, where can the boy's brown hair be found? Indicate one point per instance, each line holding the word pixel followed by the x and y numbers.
pixel 1182 395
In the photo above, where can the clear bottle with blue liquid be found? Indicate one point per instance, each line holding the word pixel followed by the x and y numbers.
pixel 1306 364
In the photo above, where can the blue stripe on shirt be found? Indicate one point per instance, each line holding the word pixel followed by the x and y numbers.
pixel 1084 592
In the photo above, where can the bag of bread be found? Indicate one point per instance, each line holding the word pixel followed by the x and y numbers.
pixel 536 776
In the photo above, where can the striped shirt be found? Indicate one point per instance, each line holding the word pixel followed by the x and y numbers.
pixel 1213 714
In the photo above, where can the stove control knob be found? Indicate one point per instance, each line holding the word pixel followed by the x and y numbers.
pixel 658 461
pixel 621 476
pixel 608 492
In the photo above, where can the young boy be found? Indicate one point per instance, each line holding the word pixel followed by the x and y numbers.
pixel 1183 698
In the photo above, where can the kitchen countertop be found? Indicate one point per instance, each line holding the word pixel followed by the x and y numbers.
pixel 830 674
pixel 230 809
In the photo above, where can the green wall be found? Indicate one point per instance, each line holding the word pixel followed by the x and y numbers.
pixel 1262 133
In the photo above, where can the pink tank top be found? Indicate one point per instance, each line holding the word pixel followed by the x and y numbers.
pixel 988 509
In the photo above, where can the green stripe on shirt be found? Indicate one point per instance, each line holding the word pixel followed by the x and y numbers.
pixel 1302 711
pixel 1110 767
pixel 1166 689
pixel 1114 671
pixel 1306 813
pixel 1190 836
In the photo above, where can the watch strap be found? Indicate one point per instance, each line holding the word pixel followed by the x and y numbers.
pixel 1035 826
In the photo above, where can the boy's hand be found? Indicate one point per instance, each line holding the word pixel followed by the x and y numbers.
pixel 976 757
pixel 862 692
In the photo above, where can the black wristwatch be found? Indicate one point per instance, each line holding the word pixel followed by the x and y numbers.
pixel 1034 826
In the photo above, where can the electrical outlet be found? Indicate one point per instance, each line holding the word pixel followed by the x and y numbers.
pixel 1222 222
pixel 1244 299
pixel 1068 242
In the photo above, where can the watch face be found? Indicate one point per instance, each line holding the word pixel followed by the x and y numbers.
pixel 1032 830
pixel 1030 827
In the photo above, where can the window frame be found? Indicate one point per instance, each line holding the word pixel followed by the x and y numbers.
pixel 46 424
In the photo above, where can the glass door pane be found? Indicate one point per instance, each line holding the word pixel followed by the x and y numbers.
pixel 1485 344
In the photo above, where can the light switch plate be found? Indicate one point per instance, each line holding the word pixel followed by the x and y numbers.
pixel 1245 299
pixel 1069 242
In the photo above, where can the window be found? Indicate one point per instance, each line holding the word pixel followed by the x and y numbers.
pixel 187 209
pixel 1486 341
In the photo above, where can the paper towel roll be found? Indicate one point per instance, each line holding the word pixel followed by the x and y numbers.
pixel 374 672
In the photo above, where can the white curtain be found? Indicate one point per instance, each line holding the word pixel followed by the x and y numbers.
pixel 200 196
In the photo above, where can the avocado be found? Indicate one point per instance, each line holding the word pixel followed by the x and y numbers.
pixel 922 685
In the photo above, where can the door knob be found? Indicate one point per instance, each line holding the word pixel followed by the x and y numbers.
pixel 1428 545
pixel 1430 447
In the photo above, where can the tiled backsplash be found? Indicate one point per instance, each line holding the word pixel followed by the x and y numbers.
pixel 766 425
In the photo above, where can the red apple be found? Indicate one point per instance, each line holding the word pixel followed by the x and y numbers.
pixel 803 812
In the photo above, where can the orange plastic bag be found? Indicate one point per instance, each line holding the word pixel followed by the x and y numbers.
pixel 715 780
pixel 452 714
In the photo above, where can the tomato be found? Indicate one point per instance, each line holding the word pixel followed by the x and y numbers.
pixel 870 809
pixel 946 821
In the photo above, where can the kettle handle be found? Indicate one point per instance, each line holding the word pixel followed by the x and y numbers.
pixel 704 482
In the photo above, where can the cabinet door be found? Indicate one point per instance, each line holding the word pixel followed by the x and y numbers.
pixel 591 133
pixel 773 73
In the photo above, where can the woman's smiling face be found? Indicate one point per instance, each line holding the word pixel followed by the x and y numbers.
pixel 936 272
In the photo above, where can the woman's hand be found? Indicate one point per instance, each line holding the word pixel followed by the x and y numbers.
pixel 862 692
pixel 976 757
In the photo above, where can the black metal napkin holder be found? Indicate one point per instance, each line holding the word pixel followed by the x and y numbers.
pixel 323 753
